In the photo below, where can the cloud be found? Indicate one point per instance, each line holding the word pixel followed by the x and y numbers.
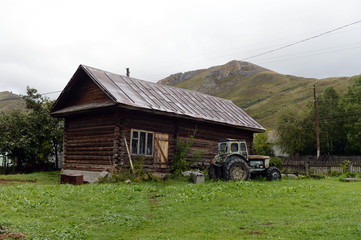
pixel 43 41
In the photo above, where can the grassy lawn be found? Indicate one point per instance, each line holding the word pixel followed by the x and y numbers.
pixel 287 209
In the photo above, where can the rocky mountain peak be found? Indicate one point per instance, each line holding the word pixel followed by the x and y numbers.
pixel 231 68
pixel 213 79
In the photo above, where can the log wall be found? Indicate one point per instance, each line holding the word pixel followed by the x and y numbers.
pixel 89 142
pixel 153 123
pixel 96 142
pixel 205 135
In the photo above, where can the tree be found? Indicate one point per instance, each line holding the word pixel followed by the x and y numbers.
pixel 351 105
pixel 31 137
pixel 295 129
pixel 14 138
pixel 261 144
pixel 332 134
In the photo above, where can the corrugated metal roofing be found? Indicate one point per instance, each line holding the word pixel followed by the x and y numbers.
pixel 148 95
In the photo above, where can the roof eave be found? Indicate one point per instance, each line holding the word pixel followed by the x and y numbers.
pixel 172 114
pixel 74 110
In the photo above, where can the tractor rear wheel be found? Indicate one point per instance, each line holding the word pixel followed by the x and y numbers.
pixel 214 172
pixel 273 173
pixel 236 169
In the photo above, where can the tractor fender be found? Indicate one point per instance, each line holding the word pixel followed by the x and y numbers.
pixel 233 155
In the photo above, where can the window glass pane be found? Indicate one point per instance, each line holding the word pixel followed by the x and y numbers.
pixel 234 147
pixel 243 147
pixel 142 143
pixel 134 146
pixel 150 144
pixel 222 147
pixel 135 134
pixel 134 142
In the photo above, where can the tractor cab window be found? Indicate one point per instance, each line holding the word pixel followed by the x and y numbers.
pixel 243 147
pixel 222 147
pixel 234 147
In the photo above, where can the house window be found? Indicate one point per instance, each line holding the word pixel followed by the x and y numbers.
pixel 142 142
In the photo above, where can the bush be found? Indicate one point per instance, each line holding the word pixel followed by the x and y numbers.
pixel 261 144
pixel 275 162
pixel 345 166
pixel 350 174
pixel 335 173
pixel 183 148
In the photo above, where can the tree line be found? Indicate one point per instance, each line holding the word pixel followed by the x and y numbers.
pixel 32 137
pixel 339 124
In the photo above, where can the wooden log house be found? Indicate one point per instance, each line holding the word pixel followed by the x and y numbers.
pixel 106 115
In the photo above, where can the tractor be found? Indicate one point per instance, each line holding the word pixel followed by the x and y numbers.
pixel 233 162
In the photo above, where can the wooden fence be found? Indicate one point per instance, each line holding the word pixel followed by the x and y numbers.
pixel 322 165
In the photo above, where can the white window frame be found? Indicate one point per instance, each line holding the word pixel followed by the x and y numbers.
pixel 137 151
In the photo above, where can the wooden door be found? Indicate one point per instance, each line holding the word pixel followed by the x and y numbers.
pixel 161 150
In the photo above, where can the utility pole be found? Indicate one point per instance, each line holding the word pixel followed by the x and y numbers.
pixel 316 122
pixel 128 72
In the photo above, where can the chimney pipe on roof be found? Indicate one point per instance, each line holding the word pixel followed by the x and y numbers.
pixel 128 72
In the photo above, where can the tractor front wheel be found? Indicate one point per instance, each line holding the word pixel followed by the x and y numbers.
pixel 236 169
pixel 214 172
pixel 273 173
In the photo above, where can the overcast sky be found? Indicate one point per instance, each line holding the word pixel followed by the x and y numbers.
pixel 43 42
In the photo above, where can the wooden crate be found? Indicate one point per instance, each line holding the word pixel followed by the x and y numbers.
pixel 74 179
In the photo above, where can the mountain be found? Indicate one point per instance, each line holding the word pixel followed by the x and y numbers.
pixel 262 93
pixel 10 101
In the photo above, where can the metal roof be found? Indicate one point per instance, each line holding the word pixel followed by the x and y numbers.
pixel 153 96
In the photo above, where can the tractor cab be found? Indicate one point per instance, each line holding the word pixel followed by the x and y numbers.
pixel 232 146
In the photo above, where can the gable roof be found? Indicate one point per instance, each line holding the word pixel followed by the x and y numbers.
pixel 142 95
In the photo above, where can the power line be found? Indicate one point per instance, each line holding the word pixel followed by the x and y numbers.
pixel 19 97
pixel 330 32
pixel 302 41
pixel 308 54
pixel 247 49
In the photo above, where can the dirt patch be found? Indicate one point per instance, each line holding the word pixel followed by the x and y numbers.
pixel 153 201
pixel 11 235
pixel 5 234
pixel 9 181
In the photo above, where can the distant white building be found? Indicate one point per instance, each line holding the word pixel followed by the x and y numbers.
pixel 4 161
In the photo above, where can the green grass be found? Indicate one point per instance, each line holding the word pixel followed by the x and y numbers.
pixel 175 209
pixel 38 177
